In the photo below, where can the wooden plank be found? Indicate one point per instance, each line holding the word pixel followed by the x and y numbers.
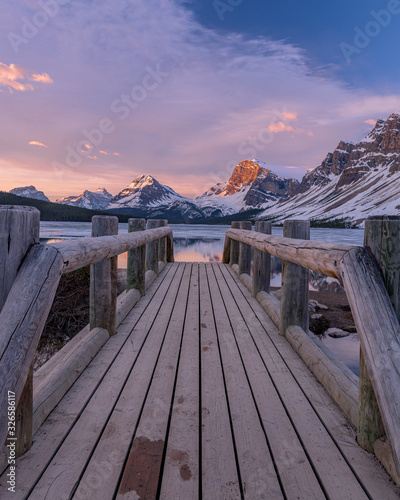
pixel 180 476
pixel 218 463
pixel 128 407
pixel 262 262
pixel 295 282
pixel 257 471
pixel 371 475
pixel 334 474
pixel 379 332
pixel 84 251
pixel 141 474
pixel 136 266
pixel 296 474
pixel 104 370
pixel 103 280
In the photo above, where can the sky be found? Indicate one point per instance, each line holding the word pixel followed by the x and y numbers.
pixel 94 93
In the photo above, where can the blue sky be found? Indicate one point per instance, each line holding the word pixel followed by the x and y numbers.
pixel 93 94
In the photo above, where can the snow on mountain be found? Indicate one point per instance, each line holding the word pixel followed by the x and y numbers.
pixel 94 200
pixel 353 182
pixel 144 192
pixel 251 186
pixel 30 192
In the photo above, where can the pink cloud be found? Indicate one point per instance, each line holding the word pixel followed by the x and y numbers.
pixel 15 77
pixel 116 154
pixel 92 157
pixel 103 152
pixel 278 127
pixel 371 122
pixel 37 143
pixel 290 116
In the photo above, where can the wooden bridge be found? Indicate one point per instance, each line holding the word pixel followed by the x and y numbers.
pixel 196 382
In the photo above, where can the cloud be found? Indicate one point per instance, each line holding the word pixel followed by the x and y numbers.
pixel 278 127
pixel 289 116
pixel 103 152
pixel 15 77
pixel 36 143
pixel 370 122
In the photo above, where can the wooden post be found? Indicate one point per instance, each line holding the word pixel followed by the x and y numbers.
pixel 245 251
pixel 234 246
pixel 162 257
pixel 136 268
pixel 152 249
pixel 170 249
pixel 19 230
pixel 262 262
pixel 382 238
pixel 295 282
pixel 103 280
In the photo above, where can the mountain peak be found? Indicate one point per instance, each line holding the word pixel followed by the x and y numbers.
pixel 29 192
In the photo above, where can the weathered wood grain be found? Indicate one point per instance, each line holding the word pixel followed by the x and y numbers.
pixel 245 251
pixel 295 282
pixel 321 257
pixel 84 251
pixel 153 248
pixel 136 267
pixel 23 318
pixel 19 230
pixel 379 331
pixel 382 239
pixel 262 262
pixel 234 258
pixel 103 279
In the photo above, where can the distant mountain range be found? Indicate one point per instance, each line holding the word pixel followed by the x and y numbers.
pixel 352 183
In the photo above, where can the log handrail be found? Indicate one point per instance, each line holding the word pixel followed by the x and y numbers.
pixel 374 316
pixel 28 304
pixel 80 253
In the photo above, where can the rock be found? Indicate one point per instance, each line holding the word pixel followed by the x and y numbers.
pixel 336 333
pixel 319 324
pixel 314 305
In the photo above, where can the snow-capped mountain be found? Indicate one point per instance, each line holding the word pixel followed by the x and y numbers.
pixel 144 192
pixel 353 182
pixel 94 200
pixel 29 192
pixel 251 186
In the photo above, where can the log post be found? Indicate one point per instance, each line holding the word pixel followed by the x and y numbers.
pixel 162 257
pixel 153 248
pixel 136 268
pixel 382 238
pixel 245 251
pixel 262 262
pixel 170 249
pixel 19 230
pixel 234 246
pixel 103 280
pixel 295 282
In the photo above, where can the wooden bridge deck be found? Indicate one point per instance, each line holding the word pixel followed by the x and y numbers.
pixel 197 396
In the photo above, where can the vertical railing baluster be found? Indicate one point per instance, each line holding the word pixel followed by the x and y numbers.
pixel 261 262
pixel 103 280
pixel 295 282
pixel 245 251
pixel 234 246
pixel 136 266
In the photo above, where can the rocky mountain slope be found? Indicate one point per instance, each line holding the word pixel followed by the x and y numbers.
pixel 29 192
pixel 251 186
pixel 353 182
pixel 94 200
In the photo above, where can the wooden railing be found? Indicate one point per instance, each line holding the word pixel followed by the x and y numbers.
pixel 375 317
pixel 30 274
